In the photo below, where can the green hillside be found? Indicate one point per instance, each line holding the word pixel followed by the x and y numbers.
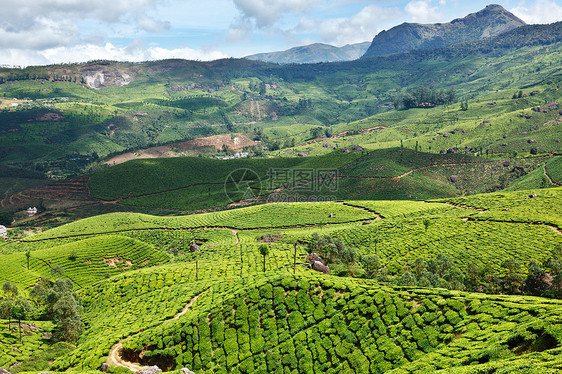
pixel 84 262
pixel 392 214
pixel 189 183
pixel 65 126
pixel 314 324
pixel 249 313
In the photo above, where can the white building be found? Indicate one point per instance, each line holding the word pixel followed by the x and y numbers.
pixel 31 211
pixel 3 232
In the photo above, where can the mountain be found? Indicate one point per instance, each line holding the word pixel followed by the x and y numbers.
pixel 490 21
pixel 314 53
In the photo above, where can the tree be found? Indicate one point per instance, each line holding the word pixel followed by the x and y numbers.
pixel 536 281
pixel 264 251
pixel 6 218
pixel 62 305
pixel 20 311
pixel 327 247
pixel 554 263
pixel 67 311
pixel 407 279
pixel 57 271
pixel 348 255
pixel 439 266
pixel 397 102
pixel 261 88
pixel 426 223
pixel 316 132
pixel 6 307
pixel 371 264
pixel 27 257
pixel 420 266
pixel 512 282
pixel 10 290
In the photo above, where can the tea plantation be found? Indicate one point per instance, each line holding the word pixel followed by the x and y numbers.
pixel 197 291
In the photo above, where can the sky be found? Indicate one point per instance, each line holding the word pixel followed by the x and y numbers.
pixel 39 32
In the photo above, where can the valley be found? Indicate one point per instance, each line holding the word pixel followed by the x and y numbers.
pixel 398 212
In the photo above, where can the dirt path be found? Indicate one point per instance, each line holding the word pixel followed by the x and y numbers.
pixel 377 216
pixel 233 229
pixel 538 223
pixel 114 357
pixel 548 176
pixel 397 177
pixel 235 232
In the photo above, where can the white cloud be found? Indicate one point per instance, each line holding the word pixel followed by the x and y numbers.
pixel 362 26
pixel 40 24
pixel 541 11
pixel 421 11
pixel 43 33
pixel 238 31
pixel 151 25
pixel 267 12
pixel 135 52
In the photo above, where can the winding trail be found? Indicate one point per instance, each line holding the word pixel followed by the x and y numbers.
pixel 114 357
pixel 377 215
pixel 548 176
pixel 398 177
pixel 234 230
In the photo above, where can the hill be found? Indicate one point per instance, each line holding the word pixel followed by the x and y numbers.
pixel 313 53
pixel 62 126
pixel 491 21
pixel 306 323
pixel 190 184
pixel 215 309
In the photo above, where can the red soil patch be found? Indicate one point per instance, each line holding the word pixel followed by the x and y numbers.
pixel 233 142
pixel 69 189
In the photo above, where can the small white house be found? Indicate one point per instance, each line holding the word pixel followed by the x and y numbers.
pixel 3 232
pixel 31 211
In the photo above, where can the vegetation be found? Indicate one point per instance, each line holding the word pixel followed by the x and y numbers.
pixel 440 222
pixel 425 97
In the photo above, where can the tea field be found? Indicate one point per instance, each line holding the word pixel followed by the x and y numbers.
pixel 310 323
pixel 248 312
pixel 254 217
pixel 84 262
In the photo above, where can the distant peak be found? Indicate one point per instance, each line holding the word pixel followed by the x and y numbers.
pixel 490 21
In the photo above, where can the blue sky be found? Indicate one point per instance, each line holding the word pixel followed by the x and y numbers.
pixel 58 31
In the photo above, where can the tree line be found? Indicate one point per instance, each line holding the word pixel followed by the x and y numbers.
pixel 48 300
pixel 543 280
pixel 424 97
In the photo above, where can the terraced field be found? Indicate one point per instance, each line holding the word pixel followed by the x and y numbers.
pixel 260 216
pixel 213 308
pixel 316 324
pixel 84 262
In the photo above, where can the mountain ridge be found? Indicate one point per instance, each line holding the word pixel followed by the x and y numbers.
pixel 491 21
pixel 313 53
